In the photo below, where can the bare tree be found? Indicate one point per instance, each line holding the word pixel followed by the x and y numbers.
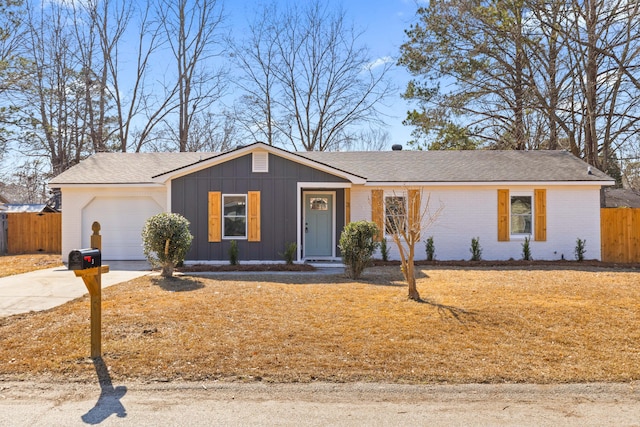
pixel 208 132
pixel 11 36
pixel 309 78
pixel 372 139
pixel 257 56
pixel 52 103
pixel 605 36
pixel 192 31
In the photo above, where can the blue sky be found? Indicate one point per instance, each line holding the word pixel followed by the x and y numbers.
pixel 383 23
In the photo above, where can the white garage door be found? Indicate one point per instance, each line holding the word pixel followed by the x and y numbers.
pixel 121 220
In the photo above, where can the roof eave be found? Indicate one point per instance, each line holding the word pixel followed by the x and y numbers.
pixel 484 183
pixel 105 184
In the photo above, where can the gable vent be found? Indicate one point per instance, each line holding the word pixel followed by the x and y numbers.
pixel 261 161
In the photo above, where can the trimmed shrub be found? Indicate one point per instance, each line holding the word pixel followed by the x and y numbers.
pixel 166 240
pixel 476 250
pixel 526 250
pixel 580 249
pixel 357 245
pixel 289 254
pixel 431 249
pixel 384 250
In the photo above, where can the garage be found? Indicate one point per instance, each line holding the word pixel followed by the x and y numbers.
pixel 121 220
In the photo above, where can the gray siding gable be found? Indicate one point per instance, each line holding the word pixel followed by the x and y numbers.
pixel 278 192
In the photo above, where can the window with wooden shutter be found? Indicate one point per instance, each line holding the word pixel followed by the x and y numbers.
pixel 254 216
pixel 377 211
pixel 503 215
pixel 540 211
pixel 215 210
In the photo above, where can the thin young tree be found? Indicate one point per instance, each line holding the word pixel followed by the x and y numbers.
pixel 406 217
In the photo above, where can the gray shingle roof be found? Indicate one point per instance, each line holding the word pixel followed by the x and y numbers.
pixel 125 168
pixel 460 166
pixel 375 166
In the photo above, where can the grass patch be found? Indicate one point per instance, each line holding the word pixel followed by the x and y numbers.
pixel 483 325
pixel 18 264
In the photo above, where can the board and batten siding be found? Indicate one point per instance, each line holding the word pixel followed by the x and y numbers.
pixel 572 212
pixel 278 200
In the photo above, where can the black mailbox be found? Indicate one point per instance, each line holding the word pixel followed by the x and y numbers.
pixel 81 259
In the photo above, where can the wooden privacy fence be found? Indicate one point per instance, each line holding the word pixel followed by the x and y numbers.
pixel 34 232
pixel 620 234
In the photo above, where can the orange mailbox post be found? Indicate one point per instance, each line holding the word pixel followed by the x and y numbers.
pixel 87 263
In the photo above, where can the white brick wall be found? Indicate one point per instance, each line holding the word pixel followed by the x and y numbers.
pixel 572 212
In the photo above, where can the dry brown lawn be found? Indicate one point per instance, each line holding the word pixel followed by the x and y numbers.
pixel 477 325
pixel 17 264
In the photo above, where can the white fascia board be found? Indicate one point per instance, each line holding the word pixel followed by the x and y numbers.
pixel 109 185
pixel 221 158
pixel 490 183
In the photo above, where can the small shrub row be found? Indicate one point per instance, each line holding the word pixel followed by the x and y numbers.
pixel 476 249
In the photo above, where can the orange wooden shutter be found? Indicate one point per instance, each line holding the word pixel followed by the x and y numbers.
pixel 347 205
pixel 215 214
pixel 414 213
pixel 377 211
pixel 503 215
pixel 540 206
pixel 253 217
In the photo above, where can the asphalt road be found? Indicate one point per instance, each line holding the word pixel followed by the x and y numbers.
pixel 317 404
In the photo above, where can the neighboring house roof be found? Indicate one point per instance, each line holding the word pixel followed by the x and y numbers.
pixel 28 208
pixel 3 199
pixel 621 198
pixel 373 166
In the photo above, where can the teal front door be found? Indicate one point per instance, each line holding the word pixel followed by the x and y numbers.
pixel 318 225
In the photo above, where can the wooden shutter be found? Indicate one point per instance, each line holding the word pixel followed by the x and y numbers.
pixel 253 216
pixel 503 215
pixel 540 208
pixel 377 211
pixel 347 205
pixel 413 206
pixel 215 215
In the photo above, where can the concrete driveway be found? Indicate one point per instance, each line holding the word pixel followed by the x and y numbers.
pixel 44 289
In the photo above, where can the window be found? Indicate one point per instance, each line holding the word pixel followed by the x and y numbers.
pixel 395 214
pixel 521 214
pixel 319 204
pixel 234 216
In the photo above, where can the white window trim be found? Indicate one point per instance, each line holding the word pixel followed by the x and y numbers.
pixel 522 236
pixel 246 218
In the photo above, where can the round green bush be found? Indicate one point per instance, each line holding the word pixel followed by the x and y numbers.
pixel 166 240
pixel 357 245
